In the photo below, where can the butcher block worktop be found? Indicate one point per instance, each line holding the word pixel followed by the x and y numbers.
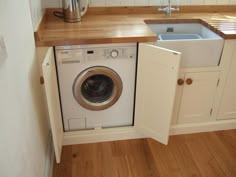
pixel 122 28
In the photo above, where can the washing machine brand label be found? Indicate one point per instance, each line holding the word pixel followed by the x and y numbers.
pixel 70 56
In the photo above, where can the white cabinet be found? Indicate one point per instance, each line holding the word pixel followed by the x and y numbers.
pixel 198 90
pixel 157 73
pixel 227 109
pixel 157 94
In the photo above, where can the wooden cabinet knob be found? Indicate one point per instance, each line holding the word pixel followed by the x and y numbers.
pixel 180 81
pixel 189 81
pixel 41 80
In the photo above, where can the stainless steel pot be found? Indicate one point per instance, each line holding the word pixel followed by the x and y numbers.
pixel 73 10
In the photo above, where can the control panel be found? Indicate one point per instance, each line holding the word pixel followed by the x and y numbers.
pixel 79 54
pixel 109 53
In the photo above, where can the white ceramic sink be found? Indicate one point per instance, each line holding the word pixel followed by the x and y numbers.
pixel 178 36
pixel 200 47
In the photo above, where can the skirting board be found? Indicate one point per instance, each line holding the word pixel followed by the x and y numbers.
pixel 203 127
pixel 92 136
pixel 102 135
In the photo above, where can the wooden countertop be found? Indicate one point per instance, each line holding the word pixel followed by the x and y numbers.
pixel 120 28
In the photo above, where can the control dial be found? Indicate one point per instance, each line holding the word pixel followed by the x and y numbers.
pixel 114 53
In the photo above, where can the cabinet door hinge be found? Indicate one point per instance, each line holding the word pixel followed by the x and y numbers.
pixel 218 82
pixel 211 111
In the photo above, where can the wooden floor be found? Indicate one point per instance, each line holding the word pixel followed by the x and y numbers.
pixel 210 154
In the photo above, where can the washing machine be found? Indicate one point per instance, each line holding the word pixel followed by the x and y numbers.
pixel 97 85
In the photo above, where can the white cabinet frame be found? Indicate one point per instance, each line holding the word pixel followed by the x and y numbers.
pixel 157 65
pixel 153 120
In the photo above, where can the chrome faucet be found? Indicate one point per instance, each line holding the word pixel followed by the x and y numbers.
pixel 168 9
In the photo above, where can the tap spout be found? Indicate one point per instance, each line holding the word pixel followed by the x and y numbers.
pixel 168 9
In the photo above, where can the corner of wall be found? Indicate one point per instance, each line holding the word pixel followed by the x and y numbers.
pixel 37 11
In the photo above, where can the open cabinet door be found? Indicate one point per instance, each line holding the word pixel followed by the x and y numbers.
pixel 157 74
pixel 53 102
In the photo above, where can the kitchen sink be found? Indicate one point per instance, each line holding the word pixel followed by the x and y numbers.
pixel 200 47
pixel 178 36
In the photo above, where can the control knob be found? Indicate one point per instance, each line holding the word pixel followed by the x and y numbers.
pixel 114 53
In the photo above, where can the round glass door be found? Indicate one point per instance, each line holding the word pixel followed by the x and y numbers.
pixel 97 88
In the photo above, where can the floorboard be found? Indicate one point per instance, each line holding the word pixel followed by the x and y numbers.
pixel 211 154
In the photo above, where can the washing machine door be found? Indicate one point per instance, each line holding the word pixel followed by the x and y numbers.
pixel 97 88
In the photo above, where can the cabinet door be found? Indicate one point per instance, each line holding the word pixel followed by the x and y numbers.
pixel 178 96
pixel 53 102
pixel 197 97
pixel 155 92
pixel 227 108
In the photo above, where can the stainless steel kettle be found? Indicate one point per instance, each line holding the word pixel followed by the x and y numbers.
pixel 72 11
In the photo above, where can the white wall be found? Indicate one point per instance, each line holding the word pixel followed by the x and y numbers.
pixel 103 3
pixel 24 128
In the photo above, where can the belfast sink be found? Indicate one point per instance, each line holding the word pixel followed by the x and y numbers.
pixel 178 36
pixel 200 47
